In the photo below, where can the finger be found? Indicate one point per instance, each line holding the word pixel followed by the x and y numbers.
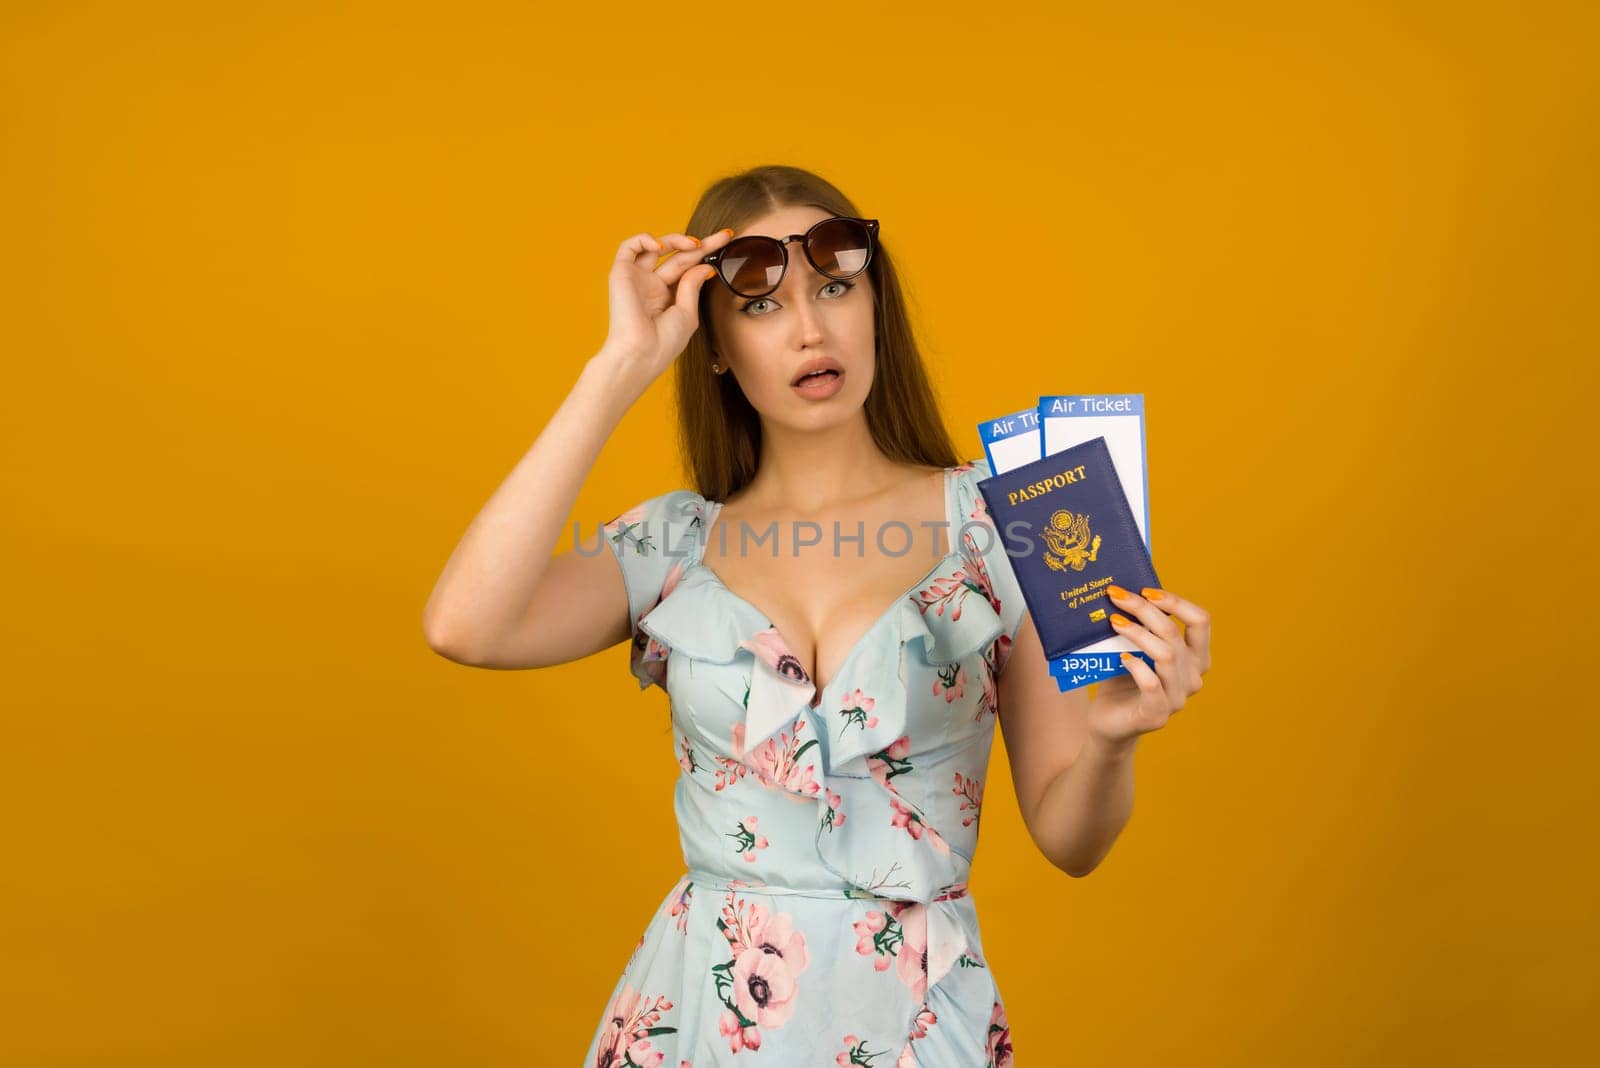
pixel 1147 613
pixel 671 267
pixel 1159 648
pixel 1149 682
pixel 1196 622
pixel 688 299
pixel 651 256
pixel 695 251
pixel 636 248
pixel 1162 650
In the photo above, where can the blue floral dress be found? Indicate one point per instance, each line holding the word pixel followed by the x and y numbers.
pixel 824 917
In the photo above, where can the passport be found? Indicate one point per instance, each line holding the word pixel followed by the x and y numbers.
pixel 1069 532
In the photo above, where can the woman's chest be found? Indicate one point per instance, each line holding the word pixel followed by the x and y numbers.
pixel 824 604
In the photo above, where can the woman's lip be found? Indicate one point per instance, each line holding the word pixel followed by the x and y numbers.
pixel 819 387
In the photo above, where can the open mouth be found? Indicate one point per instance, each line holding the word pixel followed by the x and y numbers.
pixel 815 376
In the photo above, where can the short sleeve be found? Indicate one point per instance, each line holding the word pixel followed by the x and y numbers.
pixel 653 542
pixel 984 541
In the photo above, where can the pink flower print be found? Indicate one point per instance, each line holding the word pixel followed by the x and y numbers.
pixel 630 1021
pixel 746 841
pixel 728 1025
pixel 625 521
pixel 832 814
pixel 778 937
pixel 640 1053
pixel 908 818
pixel 740 922
pixel 730 771
pixel 776 761
pixel 878 936
pixel 951 680
pixel 679 909
pixel 770 648
pixel 999 1038
pixel 971 793
pixel 904 817
pixel 854 707
pixel 947 591
pixel 885 764
pixel 759 985
pixel 919 1029
pixel 686 761
pixel 977 573
pixel 856 1053
pixel 764 988
pixel 911 963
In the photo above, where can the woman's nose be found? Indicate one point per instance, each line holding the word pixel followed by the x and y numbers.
pixel 810 324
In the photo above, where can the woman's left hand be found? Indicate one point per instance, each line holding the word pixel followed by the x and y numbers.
pixel 1141 701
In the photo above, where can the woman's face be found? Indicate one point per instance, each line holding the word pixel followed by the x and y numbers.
pixel 768 342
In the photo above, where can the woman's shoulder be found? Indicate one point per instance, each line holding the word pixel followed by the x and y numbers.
pixel 674 504
pixel 666 525
pixel 655 542
pixel 967 474
pixel 977 468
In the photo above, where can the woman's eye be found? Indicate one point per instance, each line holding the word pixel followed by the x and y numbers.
pixel 844 287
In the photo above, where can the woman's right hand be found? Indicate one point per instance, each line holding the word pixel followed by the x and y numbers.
pixel 655 308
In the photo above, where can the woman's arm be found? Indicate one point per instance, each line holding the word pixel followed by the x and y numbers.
pixel 502 600
pixel 1075 791
pixel 1072 755
pixel 478 612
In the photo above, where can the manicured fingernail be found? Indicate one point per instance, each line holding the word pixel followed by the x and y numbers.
pixel 696 240
pixel 1120 620
pixel 727 230
pixel 1150 594
pixel 1119 592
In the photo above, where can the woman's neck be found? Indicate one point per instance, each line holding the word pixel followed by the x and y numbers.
pixel 810 472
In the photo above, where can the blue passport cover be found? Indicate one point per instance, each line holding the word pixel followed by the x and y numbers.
pixel 1069 532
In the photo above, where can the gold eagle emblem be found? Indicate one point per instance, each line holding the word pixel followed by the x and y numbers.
pixel 1068 541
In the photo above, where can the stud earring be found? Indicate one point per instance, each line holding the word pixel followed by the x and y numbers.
pixel 716 369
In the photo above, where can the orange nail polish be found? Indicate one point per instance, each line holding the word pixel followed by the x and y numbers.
pixel 1120 620
pixel 696 240
pixel 1117 591
pixel 1150 594
pixel 728 230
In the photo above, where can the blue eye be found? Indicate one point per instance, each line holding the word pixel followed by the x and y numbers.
pixel 747 305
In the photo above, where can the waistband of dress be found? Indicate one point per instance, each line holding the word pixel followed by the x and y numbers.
pixel 713 881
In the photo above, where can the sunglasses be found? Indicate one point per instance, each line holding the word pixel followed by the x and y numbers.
pixel 754 265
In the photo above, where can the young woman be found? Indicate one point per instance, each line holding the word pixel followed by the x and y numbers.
pixel 833 694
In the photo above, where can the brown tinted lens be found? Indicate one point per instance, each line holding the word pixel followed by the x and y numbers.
pixel 840 247
pixel 753 265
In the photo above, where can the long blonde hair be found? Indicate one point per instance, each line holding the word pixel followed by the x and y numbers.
pixel 719 431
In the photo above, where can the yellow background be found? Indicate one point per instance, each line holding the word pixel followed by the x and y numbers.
pixel 287 291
